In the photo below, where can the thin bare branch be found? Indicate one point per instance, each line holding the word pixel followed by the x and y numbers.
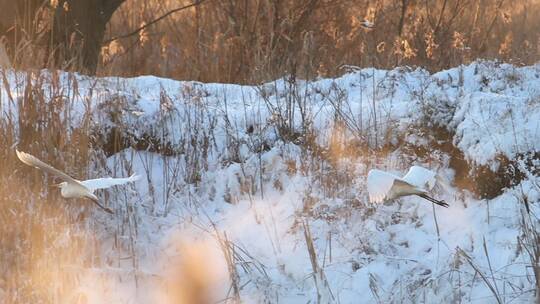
pixel 144 26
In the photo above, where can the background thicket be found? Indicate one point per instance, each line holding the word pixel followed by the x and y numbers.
pixel 248 41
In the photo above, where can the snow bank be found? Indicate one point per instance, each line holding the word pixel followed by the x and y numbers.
pixel 492 108
pixel 262 206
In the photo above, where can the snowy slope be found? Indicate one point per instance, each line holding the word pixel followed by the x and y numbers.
pixel 288 224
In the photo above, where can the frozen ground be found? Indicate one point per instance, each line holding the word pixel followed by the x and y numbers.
pixel 228 207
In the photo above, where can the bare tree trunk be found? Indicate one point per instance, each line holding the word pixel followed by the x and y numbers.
pixel 77 32
pixel 404 4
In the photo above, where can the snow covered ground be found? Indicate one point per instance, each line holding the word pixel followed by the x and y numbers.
pixel 257 193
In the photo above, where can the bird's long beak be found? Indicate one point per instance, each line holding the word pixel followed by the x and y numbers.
pixel 56 185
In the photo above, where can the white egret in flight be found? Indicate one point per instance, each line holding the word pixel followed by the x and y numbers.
pixel 386 186
pixel 72 188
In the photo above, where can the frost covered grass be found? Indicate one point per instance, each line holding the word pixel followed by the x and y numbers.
pixel 257 193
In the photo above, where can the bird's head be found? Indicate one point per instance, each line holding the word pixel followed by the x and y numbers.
pixel 60 185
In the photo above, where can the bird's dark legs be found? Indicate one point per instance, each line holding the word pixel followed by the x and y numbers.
pixel 101 206
pixel 431 199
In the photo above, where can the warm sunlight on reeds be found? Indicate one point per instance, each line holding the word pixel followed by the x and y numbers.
pixel 46 243
pixel 195 272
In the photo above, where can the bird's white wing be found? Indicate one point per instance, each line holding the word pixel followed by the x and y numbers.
pixel 32 161
pixel 379 184
pixel 421 177
pixel 101 183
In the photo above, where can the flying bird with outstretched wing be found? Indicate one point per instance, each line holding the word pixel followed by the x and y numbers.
pixel 383 186
pixel 72 188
